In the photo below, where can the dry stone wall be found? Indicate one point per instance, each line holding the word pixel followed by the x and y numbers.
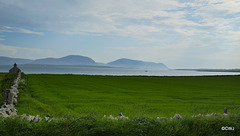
pixel 8 109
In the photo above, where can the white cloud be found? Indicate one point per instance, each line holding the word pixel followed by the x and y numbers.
pixel 137 19
pixel 17 30
pixel 227 6
pixel 20 52
pixel 107 17
pixel 171 29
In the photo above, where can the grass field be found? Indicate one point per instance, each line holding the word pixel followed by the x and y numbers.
pixel 5 82
pixel 60 95
pixel 140 126
pixel 1 77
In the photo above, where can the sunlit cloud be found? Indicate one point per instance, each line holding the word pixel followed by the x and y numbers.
pixel 20 52
pixel 136 19
pixel 17 30
pixel 169 30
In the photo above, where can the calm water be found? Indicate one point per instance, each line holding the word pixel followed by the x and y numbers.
pixel 106 70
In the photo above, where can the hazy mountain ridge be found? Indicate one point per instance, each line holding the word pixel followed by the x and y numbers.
pixel 82 60
pixel 68 60
pixel 137 64
pixel 10 61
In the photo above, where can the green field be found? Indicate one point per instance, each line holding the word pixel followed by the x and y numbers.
pixel 1 77
pixel 5 82
pixel 60 95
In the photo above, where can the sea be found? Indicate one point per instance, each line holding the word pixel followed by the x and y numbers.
pixel 107 70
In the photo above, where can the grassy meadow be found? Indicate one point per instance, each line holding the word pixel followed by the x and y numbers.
pixel 5 82
pixel 83 100
pixel 1 77
pixel 139 126
pixel 134 96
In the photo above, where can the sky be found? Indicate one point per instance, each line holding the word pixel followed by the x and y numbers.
pixel 178 33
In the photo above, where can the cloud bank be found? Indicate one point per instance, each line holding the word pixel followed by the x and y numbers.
pixel 28 53
pixel 198 27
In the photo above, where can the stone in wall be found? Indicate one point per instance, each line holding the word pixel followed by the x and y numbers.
pixel 14 100
pixel 10 98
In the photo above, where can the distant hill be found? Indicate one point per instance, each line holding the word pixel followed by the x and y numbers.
pixel 212 70
pixel 11 61
pixel 68 60
pixel 82 60
pixel 137 64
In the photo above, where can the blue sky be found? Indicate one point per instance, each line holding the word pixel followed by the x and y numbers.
pixel 178 33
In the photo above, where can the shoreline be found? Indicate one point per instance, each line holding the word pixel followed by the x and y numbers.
pixel 134 75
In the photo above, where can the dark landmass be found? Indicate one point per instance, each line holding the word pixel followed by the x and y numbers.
pixel 11 61
pixel 212 70
pixel 137 64
pixel 68 60
pixel 82 60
